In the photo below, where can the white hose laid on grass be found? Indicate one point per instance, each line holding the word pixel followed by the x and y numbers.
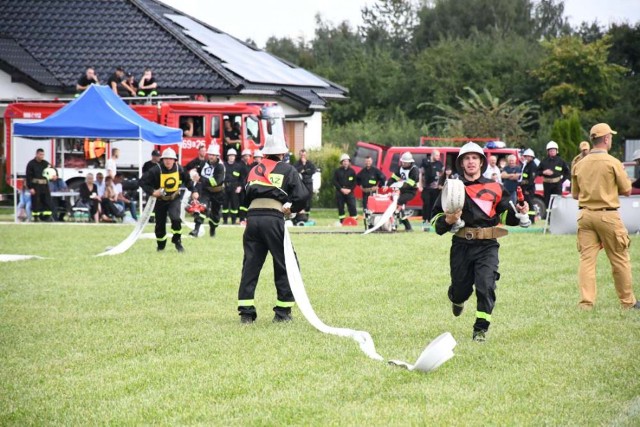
pixel 302 300
pixel 10 257
pixel 386 215
pixel 131 238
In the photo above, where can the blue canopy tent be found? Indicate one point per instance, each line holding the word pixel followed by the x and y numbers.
pixel 99 113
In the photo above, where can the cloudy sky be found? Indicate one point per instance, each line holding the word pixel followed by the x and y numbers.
pixel 260 19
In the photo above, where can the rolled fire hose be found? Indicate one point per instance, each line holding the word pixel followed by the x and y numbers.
pixel 435 354
pixel 123 246
pixel 386 215
pixel 452 198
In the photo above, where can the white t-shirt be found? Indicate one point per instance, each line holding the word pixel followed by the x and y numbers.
pixel 110 166
pixel 117 188
pixel 493 170
pixel 100 187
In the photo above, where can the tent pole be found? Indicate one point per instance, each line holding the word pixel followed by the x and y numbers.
pixel 139 173
pixel 15 180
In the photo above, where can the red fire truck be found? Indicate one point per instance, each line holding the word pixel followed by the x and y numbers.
pixel 74 157
pixel 386 158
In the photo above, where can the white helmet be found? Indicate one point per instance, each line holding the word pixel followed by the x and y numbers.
pixel 275 146
pixel 529 152
pixel 232 152
pixel 214 150
pixel 257 153
pixel 246 152
pixel 407 158
pixel 636 155
pixel 49 173
pixel 169 153
pixel 344 157
pixel 470 147
pixel 552 144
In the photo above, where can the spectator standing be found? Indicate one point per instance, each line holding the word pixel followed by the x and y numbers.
pixel 430 172
pixel 493 171
pixel 274 190
pixel 370 179
pixel 89 196
pixel 584 150
pixel 155 159
pixel 163 182
pixel 596 182
pixel 474 248
pixel 407 174
pixel 60 205
pixel 306 169
pixel 147 86
pixel 110 165
pixel 87 79
pixel 527 181
pixel 554 170
pixel 344 181
pixel 38 185
pixel 198 161
pixel 448 174
pixel 232 187
pixel 510 177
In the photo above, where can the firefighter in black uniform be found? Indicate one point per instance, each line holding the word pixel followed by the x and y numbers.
pixel 527 183
pixel 474 248
pixel 246 167
pixel 37 181
pixel 211 191
pixel 199 161
pixel 370 178
pixel 408 174
pixel 554 170
pixel 232 187
pixel 274 189
pixel 344 180
pixel 306 169
pixel 163 182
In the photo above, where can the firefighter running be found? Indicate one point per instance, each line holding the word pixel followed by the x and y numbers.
pixel 407 174
pixel 210 191
pixel 37 181
pixel 474 248
pixel 163 182
pixel 274 189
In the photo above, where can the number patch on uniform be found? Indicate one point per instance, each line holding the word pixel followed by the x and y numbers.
pixel 276 179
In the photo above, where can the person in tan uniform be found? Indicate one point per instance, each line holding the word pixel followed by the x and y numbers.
pixel 596 182
pixel 584 150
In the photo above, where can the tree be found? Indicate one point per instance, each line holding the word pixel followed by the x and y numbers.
pixel 578 75
pixel 485 116
pixel 389 22
pixel 549 20
pixel 568 133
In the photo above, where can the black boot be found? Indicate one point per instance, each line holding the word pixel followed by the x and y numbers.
pixel 194 232
pixel 177 242
pixel 407 225
pixel 212 231
pixel 161 245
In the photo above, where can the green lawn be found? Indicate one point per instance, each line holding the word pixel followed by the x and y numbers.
pixel 148 338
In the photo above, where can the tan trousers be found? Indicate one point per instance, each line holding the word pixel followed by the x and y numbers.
pixel 603 229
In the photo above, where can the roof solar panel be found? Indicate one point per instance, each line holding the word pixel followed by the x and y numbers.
pixel 255 66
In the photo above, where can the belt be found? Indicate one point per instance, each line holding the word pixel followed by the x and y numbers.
pixel 266 204
pixel 217 189
pixel 599 210
pixel 369 189
pixel 481 233
pixel 171 196
pixel 39 181
pixel 551 180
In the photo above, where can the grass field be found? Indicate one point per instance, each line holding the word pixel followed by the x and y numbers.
pixel 148 338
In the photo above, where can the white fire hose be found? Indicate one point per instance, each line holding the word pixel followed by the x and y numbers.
pixel 123 246
pixel 437 352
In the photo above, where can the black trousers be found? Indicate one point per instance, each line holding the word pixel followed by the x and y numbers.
pixel 307 206
pixel 528 197
pixel 549 189
pixel 429 196
pixel 231 203
pixel 475 263
pixel 242 211
pixel 163 209
pixel 213 201
pixel 350 200
pixel 41 203
pixel 263 234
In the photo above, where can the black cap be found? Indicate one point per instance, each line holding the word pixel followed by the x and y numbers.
pixel 155 153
